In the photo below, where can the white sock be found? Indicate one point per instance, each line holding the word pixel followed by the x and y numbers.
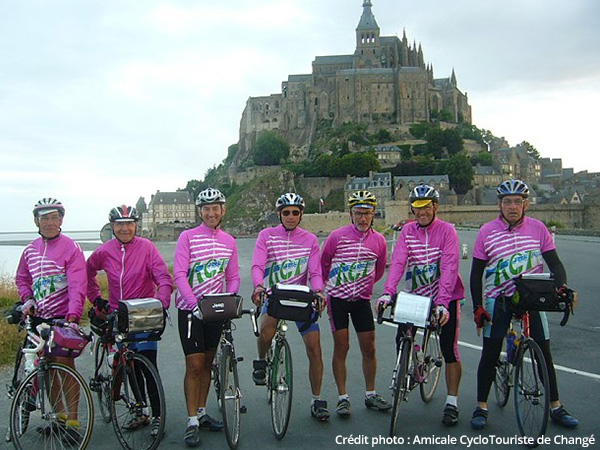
pixel 452 400
pixel 343 397
pixel 201 412
pixel 314 397
pixel 370 393
pixel 193 421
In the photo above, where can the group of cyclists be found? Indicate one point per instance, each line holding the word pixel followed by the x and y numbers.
pixel 54 279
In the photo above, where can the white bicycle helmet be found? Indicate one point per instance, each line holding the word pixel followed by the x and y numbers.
pixel 512 187
pixel 422 194
pixel 210 196
pixel 48 205
pixel 289 199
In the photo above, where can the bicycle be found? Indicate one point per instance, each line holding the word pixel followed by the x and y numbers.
pixel 124 386
pixel 527 369
pixel 415 365
pixel 226 380
pixel 52 404
pixel 285 304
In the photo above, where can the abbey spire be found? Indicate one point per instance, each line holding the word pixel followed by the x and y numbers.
pixel 368 46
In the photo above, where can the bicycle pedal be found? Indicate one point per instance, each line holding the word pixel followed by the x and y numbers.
pixel 243 409
pixel 239 358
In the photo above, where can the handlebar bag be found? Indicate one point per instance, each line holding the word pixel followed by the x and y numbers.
pixel 140 315
pixel 291 302
pixel 65 342
pixel 220 307
pixel 537 292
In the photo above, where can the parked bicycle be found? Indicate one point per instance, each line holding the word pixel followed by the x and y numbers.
pixel 127 385
pixel 524 366
pixel 224 369
pixel 416 365
pixel 51 402
pixel 285 302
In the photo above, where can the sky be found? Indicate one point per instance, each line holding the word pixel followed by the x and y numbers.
pixel 104 101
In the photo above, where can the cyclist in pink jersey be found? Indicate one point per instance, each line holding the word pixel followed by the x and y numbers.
pixel 134 269
pixel 288 254
pixel 426 256
pixel 51 281
pixel 353 259
pixel 206 262
pixel 505 248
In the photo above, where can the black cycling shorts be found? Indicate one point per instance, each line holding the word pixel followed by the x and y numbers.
pixel 203 336
pixel 340 311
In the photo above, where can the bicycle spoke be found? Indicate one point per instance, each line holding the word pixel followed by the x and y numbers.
pixel 432 367
pixel 230 397
pixel 281 388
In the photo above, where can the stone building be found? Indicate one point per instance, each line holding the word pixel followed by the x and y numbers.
pixel 385 81
pixel 171 208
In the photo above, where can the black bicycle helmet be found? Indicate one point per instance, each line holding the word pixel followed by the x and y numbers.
pixel 124 213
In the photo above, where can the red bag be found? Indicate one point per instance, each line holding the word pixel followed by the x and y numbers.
pixel 65 342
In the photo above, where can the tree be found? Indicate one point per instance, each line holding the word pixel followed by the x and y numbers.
pixel 270 149
pixel 459 171
pixel 452 140
pixel 483 158
pixel 419 130
pixel 531 150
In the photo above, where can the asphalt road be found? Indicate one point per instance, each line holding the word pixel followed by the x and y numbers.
pixel 574 349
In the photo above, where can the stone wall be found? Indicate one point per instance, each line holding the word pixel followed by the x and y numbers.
pixel 571 216
pixel 320 187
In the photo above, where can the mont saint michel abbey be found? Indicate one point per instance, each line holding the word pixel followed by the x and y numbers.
pixel 385 81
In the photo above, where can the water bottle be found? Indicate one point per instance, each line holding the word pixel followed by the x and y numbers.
pixel 29 362
pixel 510 345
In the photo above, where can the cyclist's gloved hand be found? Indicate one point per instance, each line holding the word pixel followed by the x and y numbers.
pixel 383 302
pixel 322 300
pixel 256 294
pixel 442 315
pixel 568 295
pixel 481 316
pixel 29 307
pixel 74 326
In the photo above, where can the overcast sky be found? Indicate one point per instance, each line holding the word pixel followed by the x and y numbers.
pixel 102 101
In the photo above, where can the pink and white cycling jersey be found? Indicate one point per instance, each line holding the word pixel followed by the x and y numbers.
pixel 353 262
pixel 288 257
pixel 510 252
pixel 206 262
pixel 133 270
pixel 430 257
pixel 53 272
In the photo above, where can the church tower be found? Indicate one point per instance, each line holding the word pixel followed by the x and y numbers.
pixel 368 45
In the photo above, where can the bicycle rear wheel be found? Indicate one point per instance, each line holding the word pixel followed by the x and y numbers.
pixel 132 400
pixel 432 366
pixel 281 388
pixel 100 384
pixel 230 397
pixel 18 376
pixel 400 382
pixel 502 382
pixel 52 409
pixel 532 402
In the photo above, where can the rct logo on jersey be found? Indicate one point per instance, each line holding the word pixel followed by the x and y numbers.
pixel 509 267
pixel 43 287
pixel 278 272
pixel 344 273
pixel 423 275
pixel 205 270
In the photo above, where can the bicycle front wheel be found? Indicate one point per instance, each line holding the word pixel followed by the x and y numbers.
pixel 137 394
pixel 502 382
pixel 532 402
pixel 230 397
pixel 52 408
pixel 432 365
pixel 100 384
pixel 281 388
pixel 400 382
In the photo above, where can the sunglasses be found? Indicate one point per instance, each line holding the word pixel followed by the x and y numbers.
pixel 288 212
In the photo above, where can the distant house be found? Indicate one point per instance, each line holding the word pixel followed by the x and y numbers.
pixel 171 208
pixel 388 155
pixel 378 183
pixel 486 176
pixel 405 184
